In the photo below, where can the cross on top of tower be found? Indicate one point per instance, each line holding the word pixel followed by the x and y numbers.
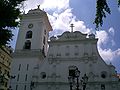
pixel 72 25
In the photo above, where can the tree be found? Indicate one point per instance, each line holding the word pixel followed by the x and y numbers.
pixel 9 12
pixel 101 9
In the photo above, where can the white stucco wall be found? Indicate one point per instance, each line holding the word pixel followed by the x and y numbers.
pixel 56 65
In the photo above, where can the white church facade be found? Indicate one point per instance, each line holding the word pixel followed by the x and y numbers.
pixel 37 67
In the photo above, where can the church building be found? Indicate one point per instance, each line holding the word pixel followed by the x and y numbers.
pixel 58 64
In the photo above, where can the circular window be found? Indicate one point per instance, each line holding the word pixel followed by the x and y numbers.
pixel 30 25
pixel 43 75
pixel 104 74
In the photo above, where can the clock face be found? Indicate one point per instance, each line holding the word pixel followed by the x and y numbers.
pixel 30 25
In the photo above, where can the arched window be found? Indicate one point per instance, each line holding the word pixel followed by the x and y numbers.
pixel 43 75
pixel 43 51
pixel 29 34
pixel 44 41
pixel 103 74
pixel 27 44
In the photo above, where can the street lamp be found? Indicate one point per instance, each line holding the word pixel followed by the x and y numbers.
pixel 32 85
pixel 84 81
pixel 74 74
pixel 73 78
pixel 77 74
pixel 70 81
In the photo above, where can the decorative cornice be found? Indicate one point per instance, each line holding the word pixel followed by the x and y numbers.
pixel 28 53
pixel 85 59
pixel 35 13
pixel 67 83
pixel 72 36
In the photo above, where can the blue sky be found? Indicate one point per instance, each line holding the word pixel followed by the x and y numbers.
pixel 81 13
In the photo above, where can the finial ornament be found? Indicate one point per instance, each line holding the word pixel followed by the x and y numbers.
pixel 72 25
pixel 38 6
pixel 110 63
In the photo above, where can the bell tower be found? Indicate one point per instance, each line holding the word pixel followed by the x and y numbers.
pixel 33 33
pixel 31 48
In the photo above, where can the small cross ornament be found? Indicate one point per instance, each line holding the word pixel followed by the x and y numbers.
pixel 71 27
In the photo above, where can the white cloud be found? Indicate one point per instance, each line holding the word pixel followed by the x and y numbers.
pixel 106 37
pixel 55 4
pixel 108 55
pixel 106 40
pixel 119 9
pixel 62 20
pixel 60 14
pixel 111 35
pixel 80 26
pixel 117 52
pixel 32 4
pixel 113 42
pixel 103 37
pixel 111 31
pixel 61 17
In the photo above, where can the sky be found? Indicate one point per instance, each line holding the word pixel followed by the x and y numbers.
pixel 81 13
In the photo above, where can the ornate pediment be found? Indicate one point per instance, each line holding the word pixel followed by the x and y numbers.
pixel 69 36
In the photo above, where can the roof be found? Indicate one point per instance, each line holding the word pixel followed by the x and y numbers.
pixel 68 36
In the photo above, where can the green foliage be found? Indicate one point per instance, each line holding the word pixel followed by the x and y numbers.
pixel 101 9
pixel 5 36
pixel 119 3
pixel 9 12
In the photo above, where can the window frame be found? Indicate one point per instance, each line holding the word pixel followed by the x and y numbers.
pixel 29 34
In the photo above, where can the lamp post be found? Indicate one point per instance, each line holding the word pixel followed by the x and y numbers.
pixel 84 81
pixel 77 74
pixel 73 78
pixel 74 74
pixel 32 85
pixel 70 82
